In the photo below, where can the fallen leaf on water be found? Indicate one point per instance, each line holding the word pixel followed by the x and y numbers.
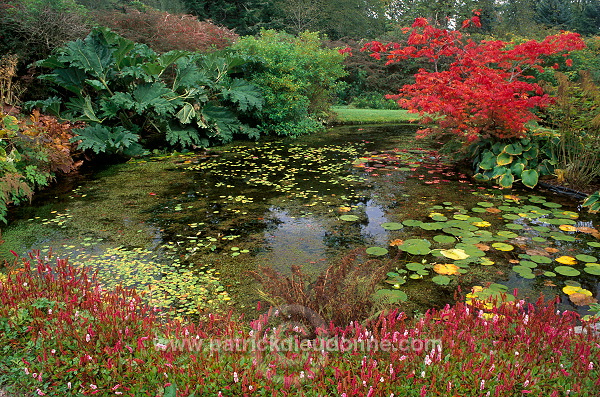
pixel 396 242
pixel 551 250
pixel 582 299
pixel 493 210
pixel 447 268
pixel 483 247
pixel 537 252
pixel 585 229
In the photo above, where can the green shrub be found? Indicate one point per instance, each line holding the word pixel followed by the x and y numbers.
pixel 373 100
pixel 510 160
pixel 130 96
pixel 297 77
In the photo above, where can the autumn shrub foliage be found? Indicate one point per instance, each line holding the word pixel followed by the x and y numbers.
pixel 62 334
pixel 475 90
pixel 164 32
pixel 33 150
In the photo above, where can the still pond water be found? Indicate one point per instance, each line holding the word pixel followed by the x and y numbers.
pixel 188 229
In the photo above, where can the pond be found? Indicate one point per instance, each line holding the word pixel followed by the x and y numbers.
pixel 188 229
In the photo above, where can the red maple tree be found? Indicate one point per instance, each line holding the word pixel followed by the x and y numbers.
pixel 473 89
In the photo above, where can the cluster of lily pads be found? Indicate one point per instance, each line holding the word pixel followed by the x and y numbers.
pixel 281 168
pixel 530 229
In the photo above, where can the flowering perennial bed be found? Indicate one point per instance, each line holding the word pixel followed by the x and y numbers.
pixel 62 334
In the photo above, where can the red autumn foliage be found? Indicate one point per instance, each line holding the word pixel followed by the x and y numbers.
pixel 164 32
pixel 473 89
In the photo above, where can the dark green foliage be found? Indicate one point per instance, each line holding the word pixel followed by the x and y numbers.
pixel 553 13
pixel 243 16
pixel 297 78
pixel 508 161
pixel 128 94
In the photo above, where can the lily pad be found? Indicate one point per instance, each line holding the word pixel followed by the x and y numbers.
pixel 454 253
pixel 567 271
pixel 349 218
pixel 415 266
pixel 586 258
pixel 390 296
pixel 540 259
pixel 594 270
pixel 566 260
pixel 441 279
pixel 444 239
pixel 503 247
pixel 377 251
pixel 392 225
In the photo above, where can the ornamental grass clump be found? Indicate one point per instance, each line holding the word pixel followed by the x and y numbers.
pixel 62 334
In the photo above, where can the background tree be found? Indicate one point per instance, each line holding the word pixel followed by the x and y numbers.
pixel 554 13
pixel 244 16
pixel 586 17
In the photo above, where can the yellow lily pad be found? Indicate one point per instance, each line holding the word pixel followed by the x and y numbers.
pixel 570 289
pixel 455 254
pixel 566 260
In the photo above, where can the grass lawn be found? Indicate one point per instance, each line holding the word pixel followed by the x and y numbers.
pixel 347 115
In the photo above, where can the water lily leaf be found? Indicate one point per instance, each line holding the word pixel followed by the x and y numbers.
pixel 444 239
pixel 377 251
pixel 594 270
pixel 569 289
pixel 390 296
pixel 412 222
pixel 567 271
pixel 486 262
pixel 349 218
pixel 503 247
pixel 441 279
pixel 392 225
pixel 550 204
pixel 416 246
pixel 454 253
pixel 513 226
pixel 482 224
pixel 549 274
pixel 586 258
pixel 594 244
pixel 529 264
pixel 566 260
pixel 415 266
pixel 485 204
pixel 540 259
pixel 507 234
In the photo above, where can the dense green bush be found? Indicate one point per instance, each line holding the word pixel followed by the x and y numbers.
pixel 130 96
pixel 297 78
